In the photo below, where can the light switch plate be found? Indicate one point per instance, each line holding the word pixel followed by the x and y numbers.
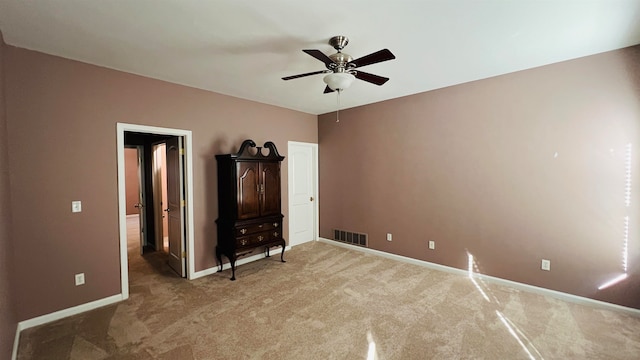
pixel 546 265
pixel 76 206
pixel 432 244
pixel 79 279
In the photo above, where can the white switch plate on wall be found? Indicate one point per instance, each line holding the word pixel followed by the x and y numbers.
pixel 76 206
pixel 546 265
pixel 80 279
pixel 432 244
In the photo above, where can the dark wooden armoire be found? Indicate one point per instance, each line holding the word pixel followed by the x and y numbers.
pixel 249 206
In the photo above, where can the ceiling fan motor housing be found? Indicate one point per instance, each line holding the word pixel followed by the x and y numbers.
pixel 340 60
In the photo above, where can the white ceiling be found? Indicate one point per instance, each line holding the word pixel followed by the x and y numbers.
pixel 244 47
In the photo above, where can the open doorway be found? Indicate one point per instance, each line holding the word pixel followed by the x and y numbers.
pixel 134 187
pixel 137 177
pixel 164 225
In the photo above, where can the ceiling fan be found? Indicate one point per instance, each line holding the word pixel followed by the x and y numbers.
pixel 341 68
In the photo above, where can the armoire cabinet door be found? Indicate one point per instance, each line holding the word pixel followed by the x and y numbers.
pixel 248 189
pixel 270 186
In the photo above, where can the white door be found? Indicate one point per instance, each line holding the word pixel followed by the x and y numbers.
pixel 175 205
pixel 303 208
pixel 159 198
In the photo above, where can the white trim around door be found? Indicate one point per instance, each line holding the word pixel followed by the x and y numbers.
pixel 309 168
pixel 122 213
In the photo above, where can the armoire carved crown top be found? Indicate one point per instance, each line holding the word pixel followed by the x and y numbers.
pixel 245 151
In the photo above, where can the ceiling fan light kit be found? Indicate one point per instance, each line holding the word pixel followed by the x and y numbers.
pixel 338 81
pixel 341 66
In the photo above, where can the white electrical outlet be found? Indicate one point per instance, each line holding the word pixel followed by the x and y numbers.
pixel 80 279
pixel 76 206
pixel 389 237
pixel 546 265
pixel 432 244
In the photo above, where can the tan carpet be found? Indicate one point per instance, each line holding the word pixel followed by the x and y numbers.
pixel 323 304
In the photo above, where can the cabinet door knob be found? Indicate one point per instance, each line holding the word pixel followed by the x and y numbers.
pixel 275 224
pixel 243 242
pixel 311 198
pixel 260 238
pixel 243 231
pixel 276 234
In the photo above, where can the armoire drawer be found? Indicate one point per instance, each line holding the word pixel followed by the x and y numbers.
pixel 258 239
pixel 253 240
pixel 255 228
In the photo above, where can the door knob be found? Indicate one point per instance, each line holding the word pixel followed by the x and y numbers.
pixel 311 198
pixel 167 209
pixel 138 205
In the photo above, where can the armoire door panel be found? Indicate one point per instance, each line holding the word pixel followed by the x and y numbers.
pixel 248 190
pixel 270 182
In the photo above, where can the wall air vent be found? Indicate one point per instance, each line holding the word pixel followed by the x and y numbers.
pixel 350 237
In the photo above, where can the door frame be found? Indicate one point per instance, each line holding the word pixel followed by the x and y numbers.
pixel 121 128
pixel 314 178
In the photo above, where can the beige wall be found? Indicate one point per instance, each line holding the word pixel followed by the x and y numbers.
pixel 8 321
pixel 474 168
pixel 61 118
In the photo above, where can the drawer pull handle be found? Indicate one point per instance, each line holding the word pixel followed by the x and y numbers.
pixel 243 242
pixel 276 234
pixel 243 231
pixel 260 238
pixel 275 224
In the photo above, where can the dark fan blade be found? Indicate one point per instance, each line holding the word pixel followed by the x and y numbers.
pixel 328 90
pixel 376 57
pixel 374 79
pixel 320 56
pixel 303 75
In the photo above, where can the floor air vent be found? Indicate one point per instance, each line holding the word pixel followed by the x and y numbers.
pixel 350 237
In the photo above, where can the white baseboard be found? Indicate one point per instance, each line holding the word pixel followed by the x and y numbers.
pixel 521 286
pixel 69 312
pixel 240 261
pixel 40 320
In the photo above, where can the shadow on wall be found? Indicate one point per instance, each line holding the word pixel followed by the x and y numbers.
pixel 630 59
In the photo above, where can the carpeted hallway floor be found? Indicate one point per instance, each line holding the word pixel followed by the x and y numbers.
pixel 328 302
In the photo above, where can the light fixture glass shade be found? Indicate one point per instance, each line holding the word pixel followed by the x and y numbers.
pixel 339 81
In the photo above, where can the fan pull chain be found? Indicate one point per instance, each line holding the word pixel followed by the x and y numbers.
pixel 338 110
